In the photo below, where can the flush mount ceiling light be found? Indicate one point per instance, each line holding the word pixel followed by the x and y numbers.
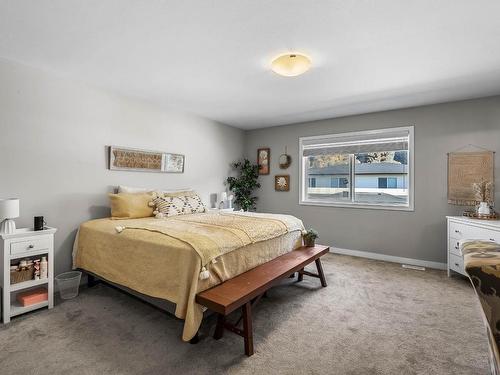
pixel 291 64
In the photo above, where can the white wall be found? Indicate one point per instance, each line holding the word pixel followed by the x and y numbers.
pixel 420 234
pixel 53 134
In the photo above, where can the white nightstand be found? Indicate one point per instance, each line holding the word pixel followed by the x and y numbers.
pixel 25 244
pixel 220 209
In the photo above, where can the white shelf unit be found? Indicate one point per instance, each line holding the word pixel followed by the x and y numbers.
pixel 25 243
pixel 17 309
pixel 28 284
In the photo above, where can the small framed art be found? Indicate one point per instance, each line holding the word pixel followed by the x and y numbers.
pixel 282 182
pixel 264 160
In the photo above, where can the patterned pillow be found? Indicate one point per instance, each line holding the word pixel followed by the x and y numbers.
pixel 168 205
pixel 193 204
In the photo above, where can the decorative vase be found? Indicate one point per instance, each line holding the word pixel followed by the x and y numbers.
pixel 484 208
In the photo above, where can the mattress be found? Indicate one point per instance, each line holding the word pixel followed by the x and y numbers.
pixel 166 267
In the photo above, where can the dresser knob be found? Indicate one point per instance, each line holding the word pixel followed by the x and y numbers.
pixel 456 264
pixel 31 246
pixel 457 231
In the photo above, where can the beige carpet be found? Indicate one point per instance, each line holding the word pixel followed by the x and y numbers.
pixel 373 318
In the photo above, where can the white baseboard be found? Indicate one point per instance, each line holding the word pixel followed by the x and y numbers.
pixel 389 258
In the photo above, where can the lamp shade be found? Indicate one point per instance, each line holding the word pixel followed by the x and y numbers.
pixel 291 64
pixel 9 208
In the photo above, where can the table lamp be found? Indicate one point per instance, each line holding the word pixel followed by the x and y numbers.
pixel 9 209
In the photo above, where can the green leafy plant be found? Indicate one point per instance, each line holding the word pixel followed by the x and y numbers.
pixel 310 237
pixel 243 185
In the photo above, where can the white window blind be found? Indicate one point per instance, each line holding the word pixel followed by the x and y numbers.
pixel 355 144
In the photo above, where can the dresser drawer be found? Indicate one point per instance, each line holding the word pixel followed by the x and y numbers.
pixel 454 247
pixel 457 264
pixel 26 246
pixel 460 231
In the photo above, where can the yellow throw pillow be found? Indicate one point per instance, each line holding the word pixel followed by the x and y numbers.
pixel 130 206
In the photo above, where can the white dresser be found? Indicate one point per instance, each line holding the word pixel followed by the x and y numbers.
pixel 460 227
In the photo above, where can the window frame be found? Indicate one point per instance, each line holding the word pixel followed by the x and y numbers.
pixel 410 206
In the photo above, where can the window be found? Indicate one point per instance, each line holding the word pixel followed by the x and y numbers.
pixel 372 169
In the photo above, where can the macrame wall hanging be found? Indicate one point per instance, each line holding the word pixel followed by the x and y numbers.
pixel 466 168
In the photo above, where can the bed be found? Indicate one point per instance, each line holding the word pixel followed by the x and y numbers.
pixel 161 258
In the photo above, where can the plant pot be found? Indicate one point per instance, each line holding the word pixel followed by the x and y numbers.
pixel 309 242
pixel 484 208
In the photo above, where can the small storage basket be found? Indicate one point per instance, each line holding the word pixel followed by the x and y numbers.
pixel 23 275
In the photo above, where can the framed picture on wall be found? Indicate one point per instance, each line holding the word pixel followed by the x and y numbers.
pixel 174 163
pixel 132 159
pixel 264 160
pixel 282 182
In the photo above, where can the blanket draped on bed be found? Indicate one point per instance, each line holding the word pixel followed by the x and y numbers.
pixel 213 235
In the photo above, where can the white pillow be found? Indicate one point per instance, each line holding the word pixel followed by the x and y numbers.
pixel 175 190
pixel 135 190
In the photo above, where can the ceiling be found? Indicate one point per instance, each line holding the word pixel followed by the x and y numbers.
pixel 212 57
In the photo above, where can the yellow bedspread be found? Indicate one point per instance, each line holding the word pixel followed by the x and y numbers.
pixel 163 266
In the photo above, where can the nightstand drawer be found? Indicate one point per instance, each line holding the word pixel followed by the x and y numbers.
pixel 457 264
pixel 460 231
pixel 29 245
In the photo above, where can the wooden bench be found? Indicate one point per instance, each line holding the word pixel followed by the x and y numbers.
pixel 245 290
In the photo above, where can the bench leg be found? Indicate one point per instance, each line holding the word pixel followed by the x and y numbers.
pixel 301 275
pixel 247 328
pixel 254 302
pixel 321 274
pixel 219 329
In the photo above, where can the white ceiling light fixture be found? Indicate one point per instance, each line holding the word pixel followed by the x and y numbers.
pixel 291 64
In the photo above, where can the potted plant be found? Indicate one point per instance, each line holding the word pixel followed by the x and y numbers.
pixel 244 185
pixel 310 237
pixel 483 193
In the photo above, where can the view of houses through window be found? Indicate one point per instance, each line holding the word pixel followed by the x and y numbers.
pixel 370 169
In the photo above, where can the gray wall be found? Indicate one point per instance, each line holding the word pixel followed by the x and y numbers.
pixel 420 234
pixel 53 134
